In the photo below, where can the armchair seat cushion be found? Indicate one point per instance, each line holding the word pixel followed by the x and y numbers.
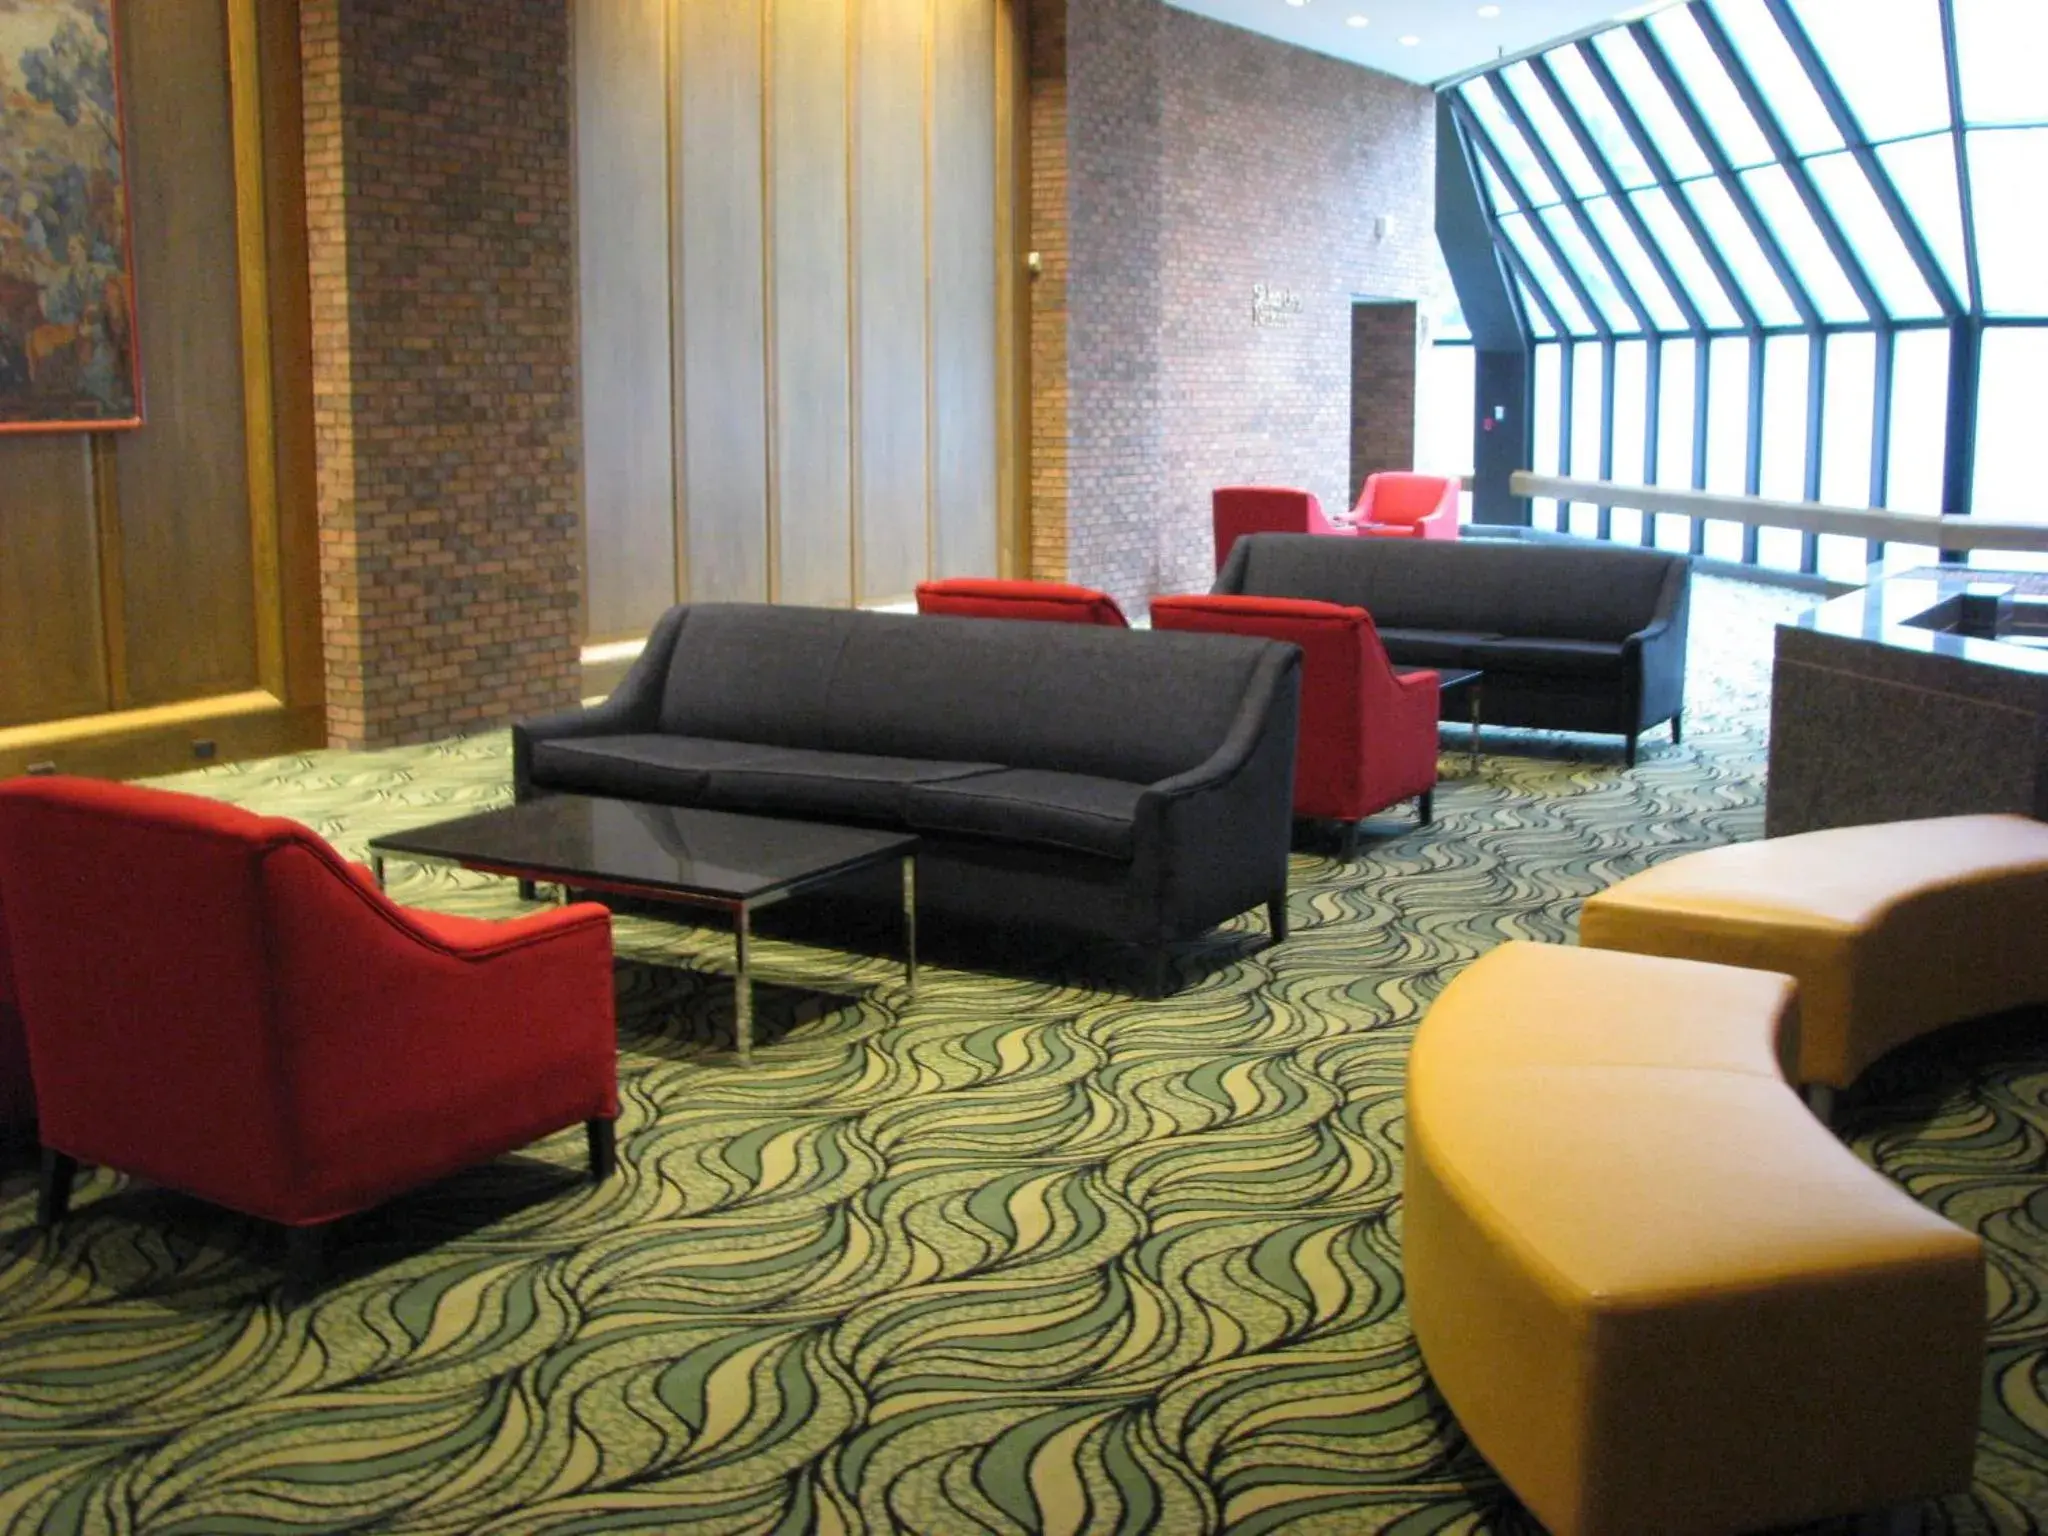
pixel 674 769
pixel 1552 658
pixel 806 783
pixel 1435 647
pixel 1066 810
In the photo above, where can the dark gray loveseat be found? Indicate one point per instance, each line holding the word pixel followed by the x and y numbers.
pixel 1137 786
pixel 1571 638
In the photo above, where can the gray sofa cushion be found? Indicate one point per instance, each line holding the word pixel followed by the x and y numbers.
pixel 751 672
pixel 1067 810
pixel 1553 658
pixel 1434 648
pixel 674 769
pixel 1103 703
pixel 805 783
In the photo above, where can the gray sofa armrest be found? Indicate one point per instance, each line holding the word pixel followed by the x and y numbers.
pixel 633 708
pixel 1214 840
pixel 1656 652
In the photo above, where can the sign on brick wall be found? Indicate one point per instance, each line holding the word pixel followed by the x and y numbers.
pixel 1273 305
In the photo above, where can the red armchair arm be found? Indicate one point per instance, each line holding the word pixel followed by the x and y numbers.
pixel 409 1044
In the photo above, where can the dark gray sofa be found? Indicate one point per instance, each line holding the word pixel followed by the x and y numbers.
pixel 1131 785
pixel 1570 637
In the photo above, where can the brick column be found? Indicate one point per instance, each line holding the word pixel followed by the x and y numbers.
pixel 1384 360
pixel 438 192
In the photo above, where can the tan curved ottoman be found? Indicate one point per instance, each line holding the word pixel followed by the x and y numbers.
pixel 1658 1295
pixel 1892 930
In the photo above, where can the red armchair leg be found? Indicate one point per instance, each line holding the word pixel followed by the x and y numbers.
pixel 1349 851
pixel 305 1254
pixel 604 1148
pixel 53 1193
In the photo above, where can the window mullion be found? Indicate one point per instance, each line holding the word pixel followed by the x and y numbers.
pixel 1571 203
pixel 1724 173
pixel 1788 160
pixel 1660 172
pixel 1961 141
pixel 1931 270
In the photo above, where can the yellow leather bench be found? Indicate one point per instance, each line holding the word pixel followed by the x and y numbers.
pixel 1658 1295
pixel 1892 930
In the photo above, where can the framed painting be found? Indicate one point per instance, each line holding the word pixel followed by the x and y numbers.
pixel 69 359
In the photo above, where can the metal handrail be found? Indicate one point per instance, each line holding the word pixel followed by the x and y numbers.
pixel 1940 531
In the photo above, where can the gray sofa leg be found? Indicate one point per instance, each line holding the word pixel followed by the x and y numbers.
pixel 528 891
pixel 1677 732
pixel 1425 807
pixel 1276 917
pixel 1158 972
pixel 1629 752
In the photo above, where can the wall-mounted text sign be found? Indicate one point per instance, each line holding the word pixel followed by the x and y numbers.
pixel 1274 306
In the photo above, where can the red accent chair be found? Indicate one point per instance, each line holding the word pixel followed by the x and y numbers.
pixel 1399 505
pixel 218 1002
pixel 1368 737
pixel 1236 510
pixel 976 597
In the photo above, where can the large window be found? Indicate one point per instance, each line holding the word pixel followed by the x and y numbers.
pixel 1786 248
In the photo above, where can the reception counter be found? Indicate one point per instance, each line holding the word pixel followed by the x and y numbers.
pixel 1924 693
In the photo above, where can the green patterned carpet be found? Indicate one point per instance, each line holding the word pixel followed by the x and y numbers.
pixel 1019 1257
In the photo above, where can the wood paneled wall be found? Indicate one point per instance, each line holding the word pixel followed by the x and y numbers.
pixel 158 587
pixel 795 229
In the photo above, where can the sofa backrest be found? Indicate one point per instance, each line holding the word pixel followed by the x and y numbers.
pixel 1502 586
pixel 1119 704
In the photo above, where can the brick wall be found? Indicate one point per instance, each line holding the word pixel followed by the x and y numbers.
pixel 1384 361
pixel 1201 160
pixel 444 354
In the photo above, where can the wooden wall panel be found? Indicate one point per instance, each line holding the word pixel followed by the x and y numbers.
pixel 187 574
pixel 622 170
pixel 720 298
pixel 812 426
pixel 52 646
pixel 963 289
pixel 892 496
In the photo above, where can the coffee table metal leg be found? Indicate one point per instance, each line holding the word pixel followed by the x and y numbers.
pixel 910 923
pixel 377 869
pixel 743 990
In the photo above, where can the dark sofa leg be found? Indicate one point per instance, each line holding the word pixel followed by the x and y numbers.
pixel 53 1194
pixel 305 1255
pixel 1276 917
pixel 1347 849
pixel 1158 972
pixel 1677 735
pixel 1425 807
pixel 1629 751
pixel 604 1148
pixel 528 891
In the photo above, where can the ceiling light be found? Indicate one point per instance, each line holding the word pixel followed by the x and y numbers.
pixel 1410 40
pixel 1297 2
pixel 1356 21
pixel 1489 11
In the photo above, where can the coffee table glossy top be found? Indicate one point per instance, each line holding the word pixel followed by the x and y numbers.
pixel 660 848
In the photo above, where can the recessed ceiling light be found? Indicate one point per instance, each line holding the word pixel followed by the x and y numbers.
pixel 1357 21
pixel 1297 2
pixel 1489 11
pixel 1410 40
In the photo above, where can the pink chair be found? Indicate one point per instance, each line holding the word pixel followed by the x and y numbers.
pixel 1236 510
pixel 1399 505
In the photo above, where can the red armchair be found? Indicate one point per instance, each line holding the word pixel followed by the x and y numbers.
pixel 1397 505
pixel 1368 737
pixel 976 597
pixel 216 1001
pixel 1236 510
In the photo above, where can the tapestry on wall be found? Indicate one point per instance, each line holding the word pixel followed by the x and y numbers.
pixel 68 357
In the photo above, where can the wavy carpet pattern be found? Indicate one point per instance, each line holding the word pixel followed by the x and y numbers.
pixel 1020 1256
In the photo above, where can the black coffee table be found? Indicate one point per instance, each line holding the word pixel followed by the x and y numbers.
pixel 737 864
pixel 1449 678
